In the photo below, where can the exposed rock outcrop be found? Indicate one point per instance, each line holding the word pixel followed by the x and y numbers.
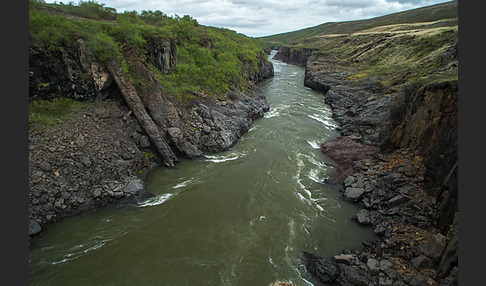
pixel 360 107
pixel 162 53
pixel 293 56
pixel 135 104
pixel 67 73
pixel 426 120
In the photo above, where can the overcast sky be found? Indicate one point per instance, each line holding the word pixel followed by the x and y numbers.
pixel 256 18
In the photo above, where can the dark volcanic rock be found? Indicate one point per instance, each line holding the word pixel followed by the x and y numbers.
pixel 293 56
pixel 435 246
pixel 162 53
pixel 373 265
pixel 311 82
pixel 421 262
pixel 449 259
pixel 321 268
pixel 354 194
pixel 363 217
pixel 186 148
pixel 34 227
pixel 350 276
pixel 397 200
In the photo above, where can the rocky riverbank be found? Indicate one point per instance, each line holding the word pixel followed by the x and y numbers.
pixel 412 249
pixel 101 153
pixel 407 197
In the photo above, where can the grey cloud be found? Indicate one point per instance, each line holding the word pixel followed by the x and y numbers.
pixel 413 2
pixel 356 4
pixel 266 17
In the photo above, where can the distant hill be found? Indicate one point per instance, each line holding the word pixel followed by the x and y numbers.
pixel 448 10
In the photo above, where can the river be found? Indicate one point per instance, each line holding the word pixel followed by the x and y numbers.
pixel 241 217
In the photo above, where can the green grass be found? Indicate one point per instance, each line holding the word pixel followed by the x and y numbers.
pixel 44 113
pixel 213 66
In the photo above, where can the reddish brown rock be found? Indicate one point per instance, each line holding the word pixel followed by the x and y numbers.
pixel 344 151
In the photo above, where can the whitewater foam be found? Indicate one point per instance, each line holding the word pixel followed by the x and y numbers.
pixel 313 175
pixel 323 120
pixel 183 184
pixel 156 201
pixel 221 158
pixel 314 144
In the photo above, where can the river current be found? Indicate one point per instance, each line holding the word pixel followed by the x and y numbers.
pixel 240 217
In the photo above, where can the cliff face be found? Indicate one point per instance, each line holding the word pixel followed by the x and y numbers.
pixel 426 120
pixel 293 56
pixel 128 123
pixel 67 73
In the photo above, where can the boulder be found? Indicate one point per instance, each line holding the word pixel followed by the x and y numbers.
pixel 86 161
pixel 97 192
pixel 186 148
pixel 354 194
pixel 385 265
pixel 373 265
pixel 348 181
pixel 385 281
pixel 363 217
pixel 435 246
pixel 46 167
pixel 421 262
pixel 344 258
pixel 102 112
pixel 135 187
pixel 344 152
pixel 322 269
pixel 350 276
pixel 34 227
pixel 144 141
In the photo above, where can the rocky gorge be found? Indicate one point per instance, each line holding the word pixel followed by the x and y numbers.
pixel 121 130
pixel 397 158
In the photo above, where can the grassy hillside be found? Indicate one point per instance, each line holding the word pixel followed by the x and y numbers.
pixel 209 60
pixel 425 14
pixel 412 47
